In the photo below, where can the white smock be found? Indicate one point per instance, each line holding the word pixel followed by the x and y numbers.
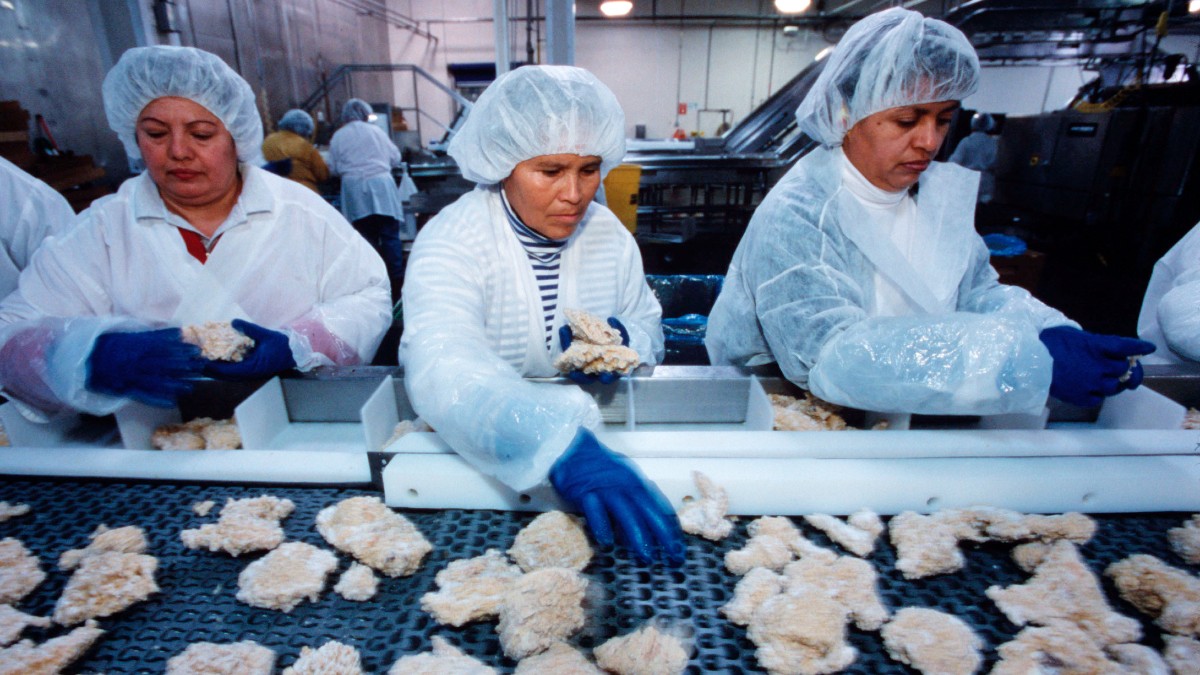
pixel 363 156
pixel 286 260
pixel 801 292
pixel 31 212
pixel 473 327
pixel 1170 316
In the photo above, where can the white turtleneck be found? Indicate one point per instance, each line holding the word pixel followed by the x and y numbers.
pixel 894 213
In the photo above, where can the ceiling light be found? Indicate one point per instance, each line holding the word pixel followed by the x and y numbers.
pixel 615 7
pixel 794 6
pixel 1194 6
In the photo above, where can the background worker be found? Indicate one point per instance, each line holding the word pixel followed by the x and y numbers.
pixel 293 141
pixel 202 235
pixel 485 291
pixel 1170 316
pixel 32 212
pixel 861 274
pixel 362 154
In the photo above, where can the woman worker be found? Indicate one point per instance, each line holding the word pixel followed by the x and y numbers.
pixel 293 141
pixel 486 286
pixel 861 273
pixel 362 154
pixel 200 236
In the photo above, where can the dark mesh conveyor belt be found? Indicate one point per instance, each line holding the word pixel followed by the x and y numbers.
pixel 197 601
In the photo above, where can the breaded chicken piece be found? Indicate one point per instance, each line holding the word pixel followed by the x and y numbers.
pixel 9 511
pixel 759 585
pixel 705 516
pixel 286 576
pixel 1185 540
pixel 649 650
pixel 774 542
pixel 1182 654
pixel 209 658
pixel 444 659
pixel 806 414
pixel 20 571
pixel 925 545
pixel 928 545
pixel 106 583
pixel 1061 648
pixel 857 534
pixel 52 656
pixel 406 427
pixel 378 536
pixel 203 508
pixel 1168 594
pixel 251 524
pixel 13 621
pixel 932 642
pixel 471 589
pixel 332 658
pixel 358 583
pixel 541 608
pixel 559 659
pixel 202 433
pixel 128 539
pixel 1029 555
pixel 553 539
pixel 1139 659
pixel 1064 588
pixel 595 347
pixel 218 340
pixel 801 633
pixel 850 581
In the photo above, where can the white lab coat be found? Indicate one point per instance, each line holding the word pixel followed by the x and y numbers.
pixel 30 211
pixel 285 259
pixel 801 292
pixel 363 156
pixel 473 327
pixel 1170 316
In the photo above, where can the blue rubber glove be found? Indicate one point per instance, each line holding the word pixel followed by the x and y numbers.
pixel 155 367
pixel 609 491
pixel 578 376
pixel 1089 367
pixel 270 356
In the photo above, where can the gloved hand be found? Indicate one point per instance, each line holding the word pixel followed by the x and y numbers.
pixel 154 367
pixel 271 355
pixel 1088 366
pixel 609 490
pixel 578 376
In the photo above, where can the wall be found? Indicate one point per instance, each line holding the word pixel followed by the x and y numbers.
pixel 55 55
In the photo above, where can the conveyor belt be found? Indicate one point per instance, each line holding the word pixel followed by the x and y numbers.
pixel 197 601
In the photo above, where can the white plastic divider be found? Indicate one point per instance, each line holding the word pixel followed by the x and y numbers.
pixel 795 486
pixel 380 415
pixel 63 431
pixel 226 466
pixel 137 422
pixel 1142 408
pixel 262 416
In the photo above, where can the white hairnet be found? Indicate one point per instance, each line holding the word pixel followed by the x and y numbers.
pixel 356 110
pixel 889 59
pixel 298 122
pixel 534 111
pixel 147 73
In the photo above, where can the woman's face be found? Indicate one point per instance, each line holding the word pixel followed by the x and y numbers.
pixel 189 153
pixel 550 193
pixel 892 147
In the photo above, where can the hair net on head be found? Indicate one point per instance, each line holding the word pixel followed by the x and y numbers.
pixel 889 59
pixel 147 73
pixel 534 111
pixel 298 122
pixel 356 110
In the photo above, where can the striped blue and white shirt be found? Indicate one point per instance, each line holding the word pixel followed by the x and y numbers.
pixel 543 253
